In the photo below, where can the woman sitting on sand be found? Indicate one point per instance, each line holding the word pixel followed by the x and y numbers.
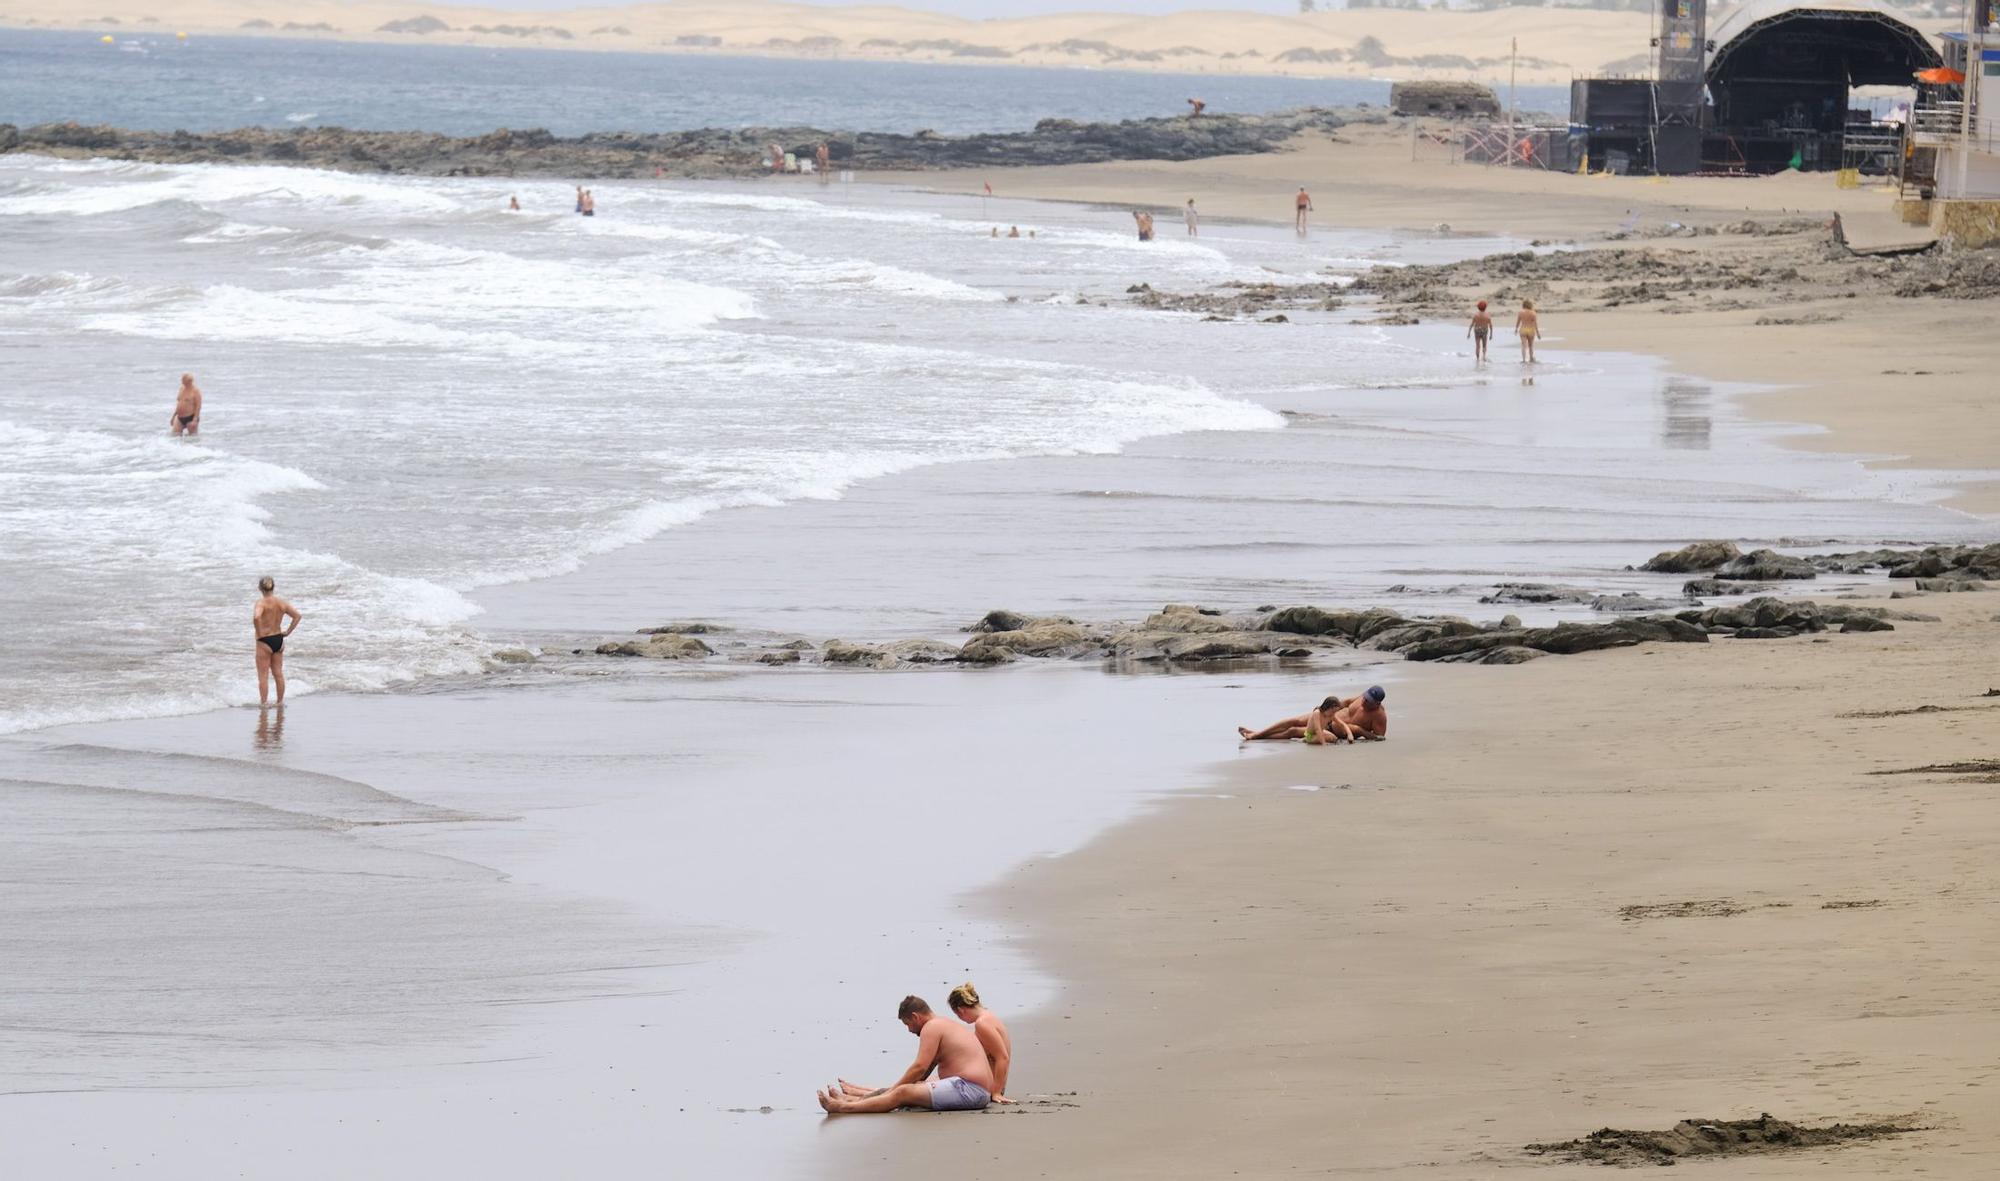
pixel 991 1032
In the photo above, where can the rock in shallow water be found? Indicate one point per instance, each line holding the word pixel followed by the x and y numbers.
pixel 1765 565
pixel 1702 555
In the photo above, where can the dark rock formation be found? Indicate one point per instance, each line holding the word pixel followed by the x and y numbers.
pixel 706 152
pixel 1702 555
pixel 1765 566
pixel 659 646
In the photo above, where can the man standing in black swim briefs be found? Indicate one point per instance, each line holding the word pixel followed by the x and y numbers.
pixel 186 418
pixel 268 622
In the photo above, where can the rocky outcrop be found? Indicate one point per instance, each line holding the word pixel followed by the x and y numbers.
pixel 1702 555
pixel 1193 635
pixel 658 646
pixel 1765 565
pixel 704 152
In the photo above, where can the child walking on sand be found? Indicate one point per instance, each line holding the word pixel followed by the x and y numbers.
pixel 1480 329
pixel 1529 326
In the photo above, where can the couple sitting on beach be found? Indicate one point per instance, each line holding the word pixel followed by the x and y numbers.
pixel 1355 719
pixel 971 1062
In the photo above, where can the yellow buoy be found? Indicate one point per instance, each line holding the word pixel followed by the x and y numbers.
pixel 108 39
pixel 180 36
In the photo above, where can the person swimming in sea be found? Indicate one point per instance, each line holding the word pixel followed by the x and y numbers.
pixel 268 623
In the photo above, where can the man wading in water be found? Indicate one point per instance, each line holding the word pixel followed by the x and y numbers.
pixel 267 621
pixel 186 418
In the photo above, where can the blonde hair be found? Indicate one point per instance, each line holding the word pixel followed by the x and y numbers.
pixel 964 996
pixel 1528 304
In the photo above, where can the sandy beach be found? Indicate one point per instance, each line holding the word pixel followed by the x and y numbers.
pixel 1904 379
pixel 1371 43
pixel 1547 905
pixel 544 909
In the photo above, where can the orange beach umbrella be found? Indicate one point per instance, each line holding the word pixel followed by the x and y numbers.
pixel 1941 76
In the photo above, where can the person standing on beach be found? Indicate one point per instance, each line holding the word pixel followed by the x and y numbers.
pixel 822 158
pixel 991 1032
pixel 1480 329
pixel 1301 205
pixel 964 1081
pixel 268 622
pixel 1529 325
pixel 186 418
pixel 1193 221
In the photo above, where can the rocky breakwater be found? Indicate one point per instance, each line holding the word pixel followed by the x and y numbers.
pixel 708 152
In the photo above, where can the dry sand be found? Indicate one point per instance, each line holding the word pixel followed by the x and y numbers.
pixel 1556 44
pixel 1907 379
pixel 1429 961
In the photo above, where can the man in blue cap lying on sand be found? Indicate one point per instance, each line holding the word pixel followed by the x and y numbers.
pixel 1355 718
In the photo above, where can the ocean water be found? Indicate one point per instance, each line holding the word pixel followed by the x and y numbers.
pixel 416 399
pixel 149 80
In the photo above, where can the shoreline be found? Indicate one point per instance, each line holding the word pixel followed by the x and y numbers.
pixel 1378 979
pixel 1453 946
pixel 1820 357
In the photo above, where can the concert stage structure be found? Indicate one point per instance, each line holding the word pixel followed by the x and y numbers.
pixel 1768 90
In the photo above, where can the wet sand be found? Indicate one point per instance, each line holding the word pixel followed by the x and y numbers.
pixel 1618 889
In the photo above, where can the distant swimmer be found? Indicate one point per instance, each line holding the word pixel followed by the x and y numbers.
pixel 1479 330
pixel 1145 223
pixel 964 1080
pixel 1301 205
pixel 991 1032
pixel 1529 326
pixel 589 203
pixel 1198 105
pixel 1014 231
pixel 186 418
pixel 579 198
pixel 996 231
pixel 514 204
pixel 268 623
pixel 1193 221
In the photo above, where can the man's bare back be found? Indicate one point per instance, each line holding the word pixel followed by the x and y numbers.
pixel 267 617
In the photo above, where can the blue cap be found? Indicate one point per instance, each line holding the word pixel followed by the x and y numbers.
pixel 1375 694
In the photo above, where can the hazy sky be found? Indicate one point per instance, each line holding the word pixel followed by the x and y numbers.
pixel 972 8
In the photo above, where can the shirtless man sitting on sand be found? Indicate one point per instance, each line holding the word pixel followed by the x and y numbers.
pixel 1353 718
pixel 186 418
pixel 268 623
pixel 964 1080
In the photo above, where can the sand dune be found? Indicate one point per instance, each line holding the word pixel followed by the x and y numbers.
pixel 1555 44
